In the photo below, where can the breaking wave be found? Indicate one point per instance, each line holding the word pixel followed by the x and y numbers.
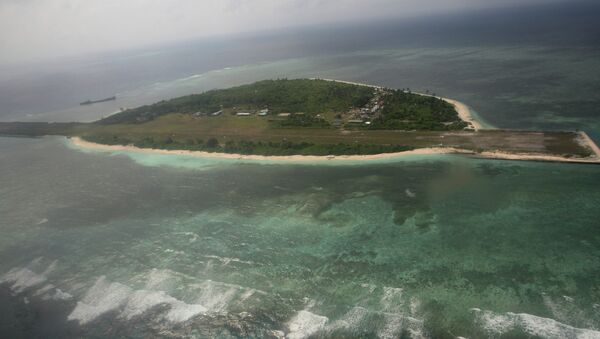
pixel 531 325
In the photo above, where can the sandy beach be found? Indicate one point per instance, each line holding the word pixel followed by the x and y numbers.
pixel 464 112
pixel 536 157
pixel 78 142
pixel 587 141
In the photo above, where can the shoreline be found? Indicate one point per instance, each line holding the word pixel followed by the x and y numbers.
pixel 589 142
pixel 81 143
pixel 464 112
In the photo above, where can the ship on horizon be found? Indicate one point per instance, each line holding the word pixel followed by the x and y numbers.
pixel 91 102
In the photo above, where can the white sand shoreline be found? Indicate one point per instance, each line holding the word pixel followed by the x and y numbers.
pixel 464 112
pixel 587 141
pixel 78 142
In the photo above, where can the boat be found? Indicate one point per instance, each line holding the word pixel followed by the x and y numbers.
pixel 91 102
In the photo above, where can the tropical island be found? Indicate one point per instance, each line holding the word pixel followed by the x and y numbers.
pixel 314 118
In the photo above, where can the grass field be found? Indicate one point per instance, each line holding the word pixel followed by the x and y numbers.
pixel 184 129
pixel 187 132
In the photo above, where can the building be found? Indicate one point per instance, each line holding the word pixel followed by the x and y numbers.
pixel 216 113
pixel 284 114
pixel 243 114
pixel 263 112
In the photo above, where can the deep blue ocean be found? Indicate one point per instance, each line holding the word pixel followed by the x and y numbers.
pixel 123 244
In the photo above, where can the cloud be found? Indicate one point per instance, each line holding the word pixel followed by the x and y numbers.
pixel 32 29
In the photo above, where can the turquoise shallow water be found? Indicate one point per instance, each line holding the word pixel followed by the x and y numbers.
pixel 438 246
pixel 122 244
pixel 113 245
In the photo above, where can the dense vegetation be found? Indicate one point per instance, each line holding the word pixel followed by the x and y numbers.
pixel 401 110
pixel 302 120
pixel 250 147
pixel 407 111
pixel 311 141
pixel 280 96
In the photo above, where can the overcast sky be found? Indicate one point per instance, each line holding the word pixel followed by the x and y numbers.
pixel 38 29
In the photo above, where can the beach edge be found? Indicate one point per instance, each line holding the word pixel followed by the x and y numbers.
pixel 78 142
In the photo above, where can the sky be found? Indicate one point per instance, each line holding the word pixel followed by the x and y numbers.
pixel 32 30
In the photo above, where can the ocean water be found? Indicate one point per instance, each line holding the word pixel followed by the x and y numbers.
pixel 533 68
pixel 123 244
pixel 112 244
pixel 508 86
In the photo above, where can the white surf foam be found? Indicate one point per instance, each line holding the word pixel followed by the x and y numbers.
pixel 391 299
pixel 169 250
pixel 350 320
pixel 369 287
pixel 44 290
pixel 393 325
pixel 565 310
pixel 105 296
pixel 50 292
pixel 101 298
pixel 386 307
pixel 22 279
pixel 246 295
pixel 533 325
pixel 181 311
pixel 217 296
pixel 141 301
pixel 225 261
pixel 305 324
pixel 60 295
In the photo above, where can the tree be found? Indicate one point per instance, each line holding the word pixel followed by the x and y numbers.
pixel 212 143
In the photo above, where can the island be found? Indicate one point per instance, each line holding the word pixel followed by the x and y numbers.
pixel 307 119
